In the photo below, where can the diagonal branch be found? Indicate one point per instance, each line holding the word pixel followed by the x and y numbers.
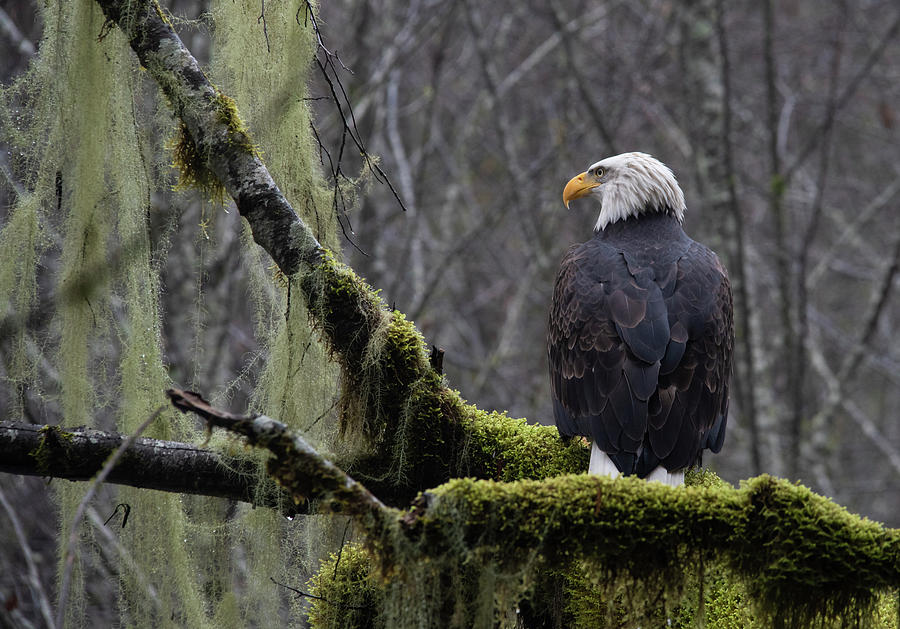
pixel 850 366
pixel 211 120
pixel 301 470
pixel 422 433
pixel 844 98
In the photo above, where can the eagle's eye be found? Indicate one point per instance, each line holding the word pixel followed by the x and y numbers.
pixel 599 173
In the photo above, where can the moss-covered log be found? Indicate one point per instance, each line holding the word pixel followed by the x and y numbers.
pixel 799 556
pixel 792 558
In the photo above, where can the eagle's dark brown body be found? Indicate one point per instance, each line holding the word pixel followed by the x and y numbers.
pixel 640 342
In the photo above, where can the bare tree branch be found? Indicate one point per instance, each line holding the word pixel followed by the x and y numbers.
pixel 880 297
pixel 11 32
pixel 77 454
pixel 799 351
pixel 845 96
pixel 746 382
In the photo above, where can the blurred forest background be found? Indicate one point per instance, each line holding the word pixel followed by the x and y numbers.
pixel 780 120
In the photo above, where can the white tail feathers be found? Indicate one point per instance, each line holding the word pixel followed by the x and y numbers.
pixel 673 479
pixel 603 466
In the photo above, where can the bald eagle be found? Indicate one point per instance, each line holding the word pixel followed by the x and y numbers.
pixel 640 335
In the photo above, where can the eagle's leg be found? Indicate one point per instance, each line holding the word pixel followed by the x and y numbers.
pixel 602 465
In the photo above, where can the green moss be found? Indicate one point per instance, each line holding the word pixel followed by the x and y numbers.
pixel 419 433
pixel 586 551
pixel 887 610
pixel 506 449
pixel 778 185
pixel 192 163
pixel 238 133
pixel 800 557
pixel 817 559
pixel 347 593
pixel 193 167
pixel 53 438
pixel 703 477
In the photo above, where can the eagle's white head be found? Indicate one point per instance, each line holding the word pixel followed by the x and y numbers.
pixel 628 185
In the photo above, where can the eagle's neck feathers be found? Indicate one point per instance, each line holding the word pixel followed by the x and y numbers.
pixel 637 184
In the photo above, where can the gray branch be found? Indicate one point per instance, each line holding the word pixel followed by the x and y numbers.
pixel 211 120
pixel 79 454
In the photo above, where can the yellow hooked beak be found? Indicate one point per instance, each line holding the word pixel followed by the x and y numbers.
pixel 578 186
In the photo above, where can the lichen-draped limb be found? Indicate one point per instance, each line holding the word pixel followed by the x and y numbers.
pixel 216 132
pixel 801 556
pixel 392 396
pixel 297 467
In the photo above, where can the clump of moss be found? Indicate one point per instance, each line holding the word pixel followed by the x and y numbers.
pixel 503 448
pixel 238 133
pixel 192 162
pixel 52 440
pixel 193 167
pixel 814 558
pixel 703 477
pixel 347 593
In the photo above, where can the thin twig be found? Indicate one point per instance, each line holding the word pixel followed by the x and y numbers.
pixel 739 268
pixel 850 367
pixel 319 598
pixel 262 18
pixel 800 349
pixel 329 72
pixel 337 561
pixel 34 579
pixel 846 95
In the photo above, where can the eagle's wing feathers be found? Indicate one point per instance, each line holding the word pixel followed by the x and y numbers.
pixel 639 348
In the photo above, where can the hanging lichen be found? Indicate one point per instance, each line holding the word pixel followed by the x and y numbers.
pixel 74 121
pixel 261 61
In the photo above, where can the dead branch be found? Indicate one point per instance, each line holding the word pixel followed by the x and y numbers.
pixel 77 454
pixel 301 470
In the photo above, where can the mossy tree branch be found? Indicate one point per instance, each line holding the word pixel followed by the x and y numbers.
pixel 422 432
pixel 302 471
pixel 802 556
